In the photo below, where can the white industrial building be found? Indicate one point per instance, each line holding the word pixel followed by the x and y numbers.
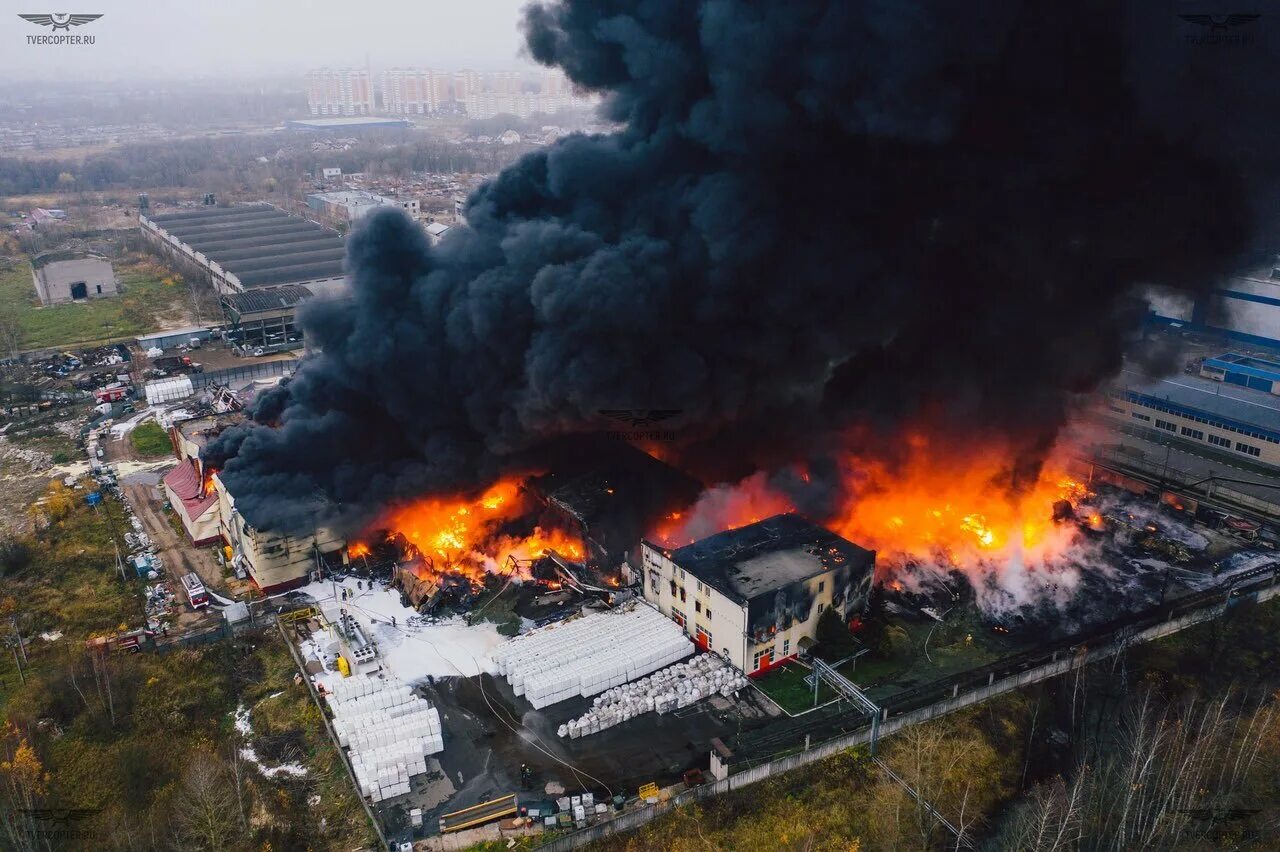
pixel 754 594
pixel 351 205
pixel 72 277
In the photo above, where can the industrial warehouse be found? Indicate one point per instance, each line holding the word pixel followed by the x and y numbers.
pixel 262 262
pixel 1231 406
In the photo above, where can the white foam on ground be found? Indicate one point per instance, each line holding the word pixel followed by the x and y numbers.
pixel 293 770
pixel 413 652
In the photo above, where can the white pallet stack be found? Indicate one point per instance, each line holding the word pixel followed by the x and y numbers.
pixel 588 655
pixel 672 688
pixel 388 730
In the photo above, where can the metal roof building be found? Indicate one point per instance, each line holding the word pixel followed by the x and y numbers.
pixel 322 125
pixel 249 247
pixel 1253 413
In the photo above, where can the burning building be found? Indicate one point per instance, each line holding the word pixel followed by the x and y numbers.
pixel 610 495
pixel 753 593
pixel 195 504
pixel 608 271
pixel 275 561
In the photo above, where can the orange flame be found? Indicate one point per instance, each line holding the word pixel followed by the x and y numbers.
pixel 957 505
pixel 459 535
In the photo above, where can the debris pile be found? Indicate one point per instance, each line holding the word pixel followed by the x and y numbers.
pixel 670 689
pixel 389 731
pixel 585 656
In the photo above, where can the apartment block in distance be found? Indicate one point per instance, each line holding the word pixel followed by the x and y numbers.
pixel 415 91
pixel 339 91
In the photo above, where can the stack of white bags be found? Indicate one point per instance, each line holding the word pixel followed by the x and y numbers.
pixel 672 688
pixel 389 730
pixel 585 656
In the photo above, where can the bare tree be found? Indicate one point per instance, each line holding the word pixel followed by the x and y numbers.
pixel 1161 778
pixel 205 813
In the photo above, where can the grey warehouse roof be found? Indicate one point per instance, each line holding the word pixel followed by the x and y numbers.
pixel 1243 405
pixel 259 244
pixel 276 298
pixel 763 557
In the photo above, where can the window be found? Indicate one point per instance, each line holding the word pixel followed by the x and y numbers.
pixel 821 607
pixel 1219 442
pixel 1193 433
pixel 822 585
pixel 697 606
pixel 682 597
pixel 653 582
pixel 1117 409
pixel 673 587
pixel 708 613
pixel 1165 424
pixel 786 647
pixel 1248 448
pixel 677 617
pixel 1138 416
pixel 703 637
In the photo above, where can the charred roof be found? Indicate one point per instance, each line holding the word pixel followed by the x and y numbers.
pixel 761 558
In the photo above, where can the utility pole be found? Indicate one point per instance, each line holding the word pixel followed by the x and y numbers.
pixel 17 643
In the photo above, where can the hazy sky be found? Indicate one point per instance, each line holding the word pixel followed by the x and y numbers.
pixel 244 37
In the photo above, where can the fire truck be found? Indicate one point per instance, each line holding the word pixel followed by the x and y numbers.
pixel 197 596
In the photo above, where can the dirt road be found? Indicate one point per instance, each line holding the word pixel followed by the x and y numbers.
pixel 142 490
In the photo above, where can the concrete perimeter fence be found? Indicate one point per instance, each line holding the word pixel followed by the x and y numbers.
pixel 959 700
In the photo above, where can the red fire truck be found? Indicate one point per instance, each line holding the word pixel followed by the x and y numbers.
pixel 197 596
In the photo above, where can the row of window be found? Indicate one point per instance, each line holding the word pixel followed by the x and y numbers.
pixel 1199 435
pixel 1208 421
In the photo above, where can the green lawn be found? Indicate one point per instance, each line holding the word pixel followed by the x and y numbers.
pixel 149 292
pixel 786 686
pixel 151 440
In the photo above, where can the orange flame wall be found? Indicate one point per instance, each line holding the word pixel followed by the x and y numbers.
pixel 932 502
pixel 461 534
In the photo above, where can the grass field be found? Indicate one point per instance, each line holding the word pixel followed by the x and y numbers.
pixel 150 295
pixel 786 686
pixel 150 440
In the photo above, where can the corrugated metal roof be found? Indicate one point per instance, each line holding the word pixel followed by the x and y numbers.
pixel 184 481
pixel 290 274
pixel 259 244
pixel 276 298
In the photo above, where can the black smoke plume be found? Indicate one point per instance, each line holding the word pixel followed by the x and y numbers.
pixel 816 214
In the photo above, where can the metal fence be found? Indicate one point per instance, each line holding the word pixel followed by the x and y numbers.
pixel 943 697
pixel 333 737
pixel 1193 486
